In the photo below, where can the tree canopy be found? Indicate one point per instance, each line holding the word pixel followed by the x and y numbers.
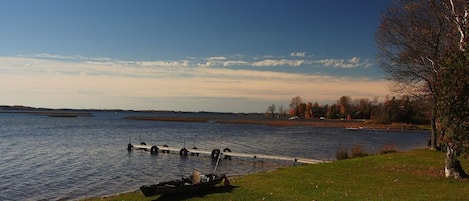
pixel 422 45
pixel 413 40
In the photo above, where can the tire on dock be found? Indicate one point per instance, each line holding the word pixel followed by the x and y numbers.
pixel 215 154
pixel 154 150
pixel 143 143
pixel 227 156
pixel 129 147
pixel 194 154
pixel 165 151
pixel 183 152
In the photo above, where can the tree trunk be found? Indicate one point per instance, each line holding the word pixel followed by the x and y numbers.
pixel 453 166
pixel 433 125
pixel 434 134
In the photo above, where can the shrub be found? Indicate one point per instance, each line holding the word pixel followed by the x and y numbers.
pixel 341 154
pixel 388 148
pixel 357 151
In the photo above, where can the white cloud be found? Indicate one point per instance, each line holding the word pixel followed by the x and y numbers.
pixel 342 63
pixel 298 54
pixel 216 58
pixel 163 63
pixel 281 62
pixel 62 57
pixel 235 63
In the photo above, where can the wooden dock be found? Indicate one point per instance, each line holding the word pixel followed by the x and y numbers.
pixel 215 153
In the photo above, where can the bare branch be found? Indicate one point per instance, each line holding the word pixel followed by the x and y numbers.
pixel 460 21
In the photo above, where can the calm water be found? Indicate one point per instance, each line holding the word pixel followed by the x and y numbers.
pixel 46 158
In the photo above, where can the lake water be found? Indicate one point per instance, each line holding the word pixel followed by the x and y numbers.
pixel 50 158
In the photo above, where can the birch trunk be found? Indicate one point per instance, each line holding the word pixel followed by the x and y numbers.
pixel 453 166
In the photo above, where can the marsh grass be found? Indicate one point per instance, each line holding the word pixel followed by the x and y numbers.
pixel 341 154
pixel 358 151
pixel 414 175
pixel 388 148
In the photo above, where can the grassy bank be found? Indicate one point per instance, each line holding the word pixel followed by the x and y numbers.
pixel 414 175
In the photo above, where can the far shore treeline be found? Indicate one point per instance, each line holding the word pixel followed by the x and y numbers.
pixel 403 109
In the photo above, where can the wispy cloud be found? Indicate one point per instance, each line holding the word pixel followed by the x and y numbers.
pixel 62 57
pixel 281 62
pixel 222 61
pixel 183 63
pixel 217 58
pixel 298 54
pixel 345 63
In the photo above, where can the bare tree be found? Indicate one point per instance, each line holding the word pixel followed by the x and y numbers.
pixel 282 112
pixel 271 109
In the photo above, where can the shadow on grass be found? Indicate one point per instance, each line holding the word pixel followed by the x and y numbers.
pixel 216 189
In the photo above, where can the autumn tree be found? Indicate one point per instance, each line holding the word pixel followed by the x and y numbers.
pixel 362 108
pixel 333 111
pixel 309 110
pixel 295 106
pixel 302 110
pixel 344 103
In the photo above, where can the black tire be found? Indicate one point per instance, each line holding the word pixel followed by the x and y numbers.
pixel 215 154
pixel 154 150
pixel 183 152
pixel 227 156
pixel 194 154
pixel 129 147
pixel 143 143
pixel 165 151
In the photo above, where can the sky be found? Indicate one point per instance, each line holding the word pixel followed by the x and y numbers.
pixel 187 55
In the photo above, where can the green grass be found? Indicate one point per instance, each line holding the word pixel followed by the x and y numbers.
pixel 414 175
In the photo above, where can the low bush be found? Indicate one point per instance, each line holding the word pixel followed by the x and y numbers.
pixel 357 151
pixel 388 148
pixel 341 154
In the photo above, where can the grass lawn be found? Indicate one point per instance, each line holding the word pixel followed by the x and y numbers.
pixel 414 175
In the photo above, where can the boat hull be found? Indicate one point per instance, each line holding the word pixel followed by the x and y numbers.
pixel 180 187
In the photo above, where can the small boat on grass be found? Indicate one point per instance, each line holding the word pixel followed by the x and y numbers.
pixel 195 184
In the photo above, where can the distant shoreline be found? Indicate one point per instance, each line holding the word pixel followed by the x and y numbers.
pixel 236 118
pixel 328 123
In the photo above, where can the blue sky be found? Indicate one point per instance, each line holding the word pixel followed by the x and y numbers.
pixel 224 56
